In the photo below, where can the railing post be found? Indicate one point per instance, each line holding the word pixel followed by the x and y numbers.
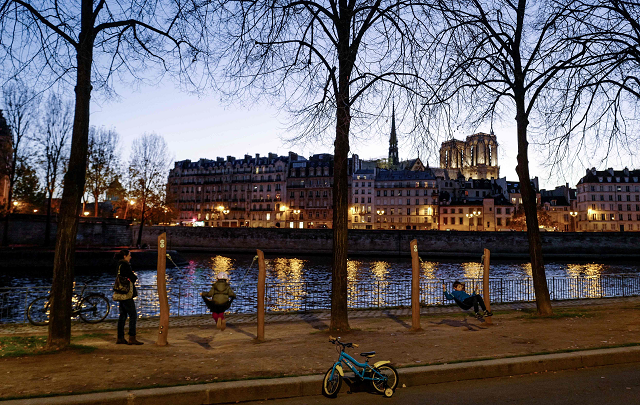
pixel 485 284
pixel 161 283
pixel 415 286
pixel 179 298
pixel 262 275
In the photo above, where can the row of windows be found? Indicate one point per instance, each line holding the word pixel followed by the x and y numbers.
pixel 612 217
pixel 621 207
pixel 310 194
pixel 610 197
pixel 392 193
pixel 610 188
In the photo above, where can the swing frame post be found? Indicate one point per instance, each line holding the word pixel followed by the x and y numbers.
pixel 161 280
pixel 415 286
pixel 262 275
pixel 485 284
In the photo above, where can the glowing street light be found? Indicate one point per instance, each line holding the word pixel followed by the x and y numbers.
pixel 86 213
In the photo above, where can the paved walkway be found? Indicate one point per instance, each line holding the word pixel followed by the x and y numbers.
pixel 237 319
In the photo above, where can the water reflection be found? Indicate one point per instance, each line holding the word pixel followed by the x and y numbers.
pixel 289 293
pixel 429 269
pixel 380 271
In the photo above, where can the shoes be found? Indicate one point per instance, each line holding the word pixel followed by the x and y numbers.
pixel 133 341
pixel 487 313
pixel 121 341
pixel 224 324
pixel 219 323
pixel 479 316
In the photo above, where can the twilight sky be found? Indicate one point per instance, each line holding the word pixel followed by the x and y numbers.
pixel 203 127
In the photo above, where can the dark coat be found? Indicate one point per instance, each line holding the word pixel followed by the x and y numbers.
pixel 125 270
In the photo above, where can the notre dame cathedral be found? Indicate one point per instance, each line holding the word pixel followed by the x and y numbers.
pixel 475 158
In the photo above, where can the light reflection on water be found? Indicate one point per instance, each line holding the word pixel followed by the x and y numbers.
pixel 202 268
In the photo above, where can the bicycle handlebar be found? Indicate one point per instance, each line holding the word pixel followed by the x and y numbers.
pixel 336 341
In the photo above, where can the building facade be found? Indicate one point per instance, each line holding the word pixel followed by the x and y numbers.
pixel 609 201
pixel 474 158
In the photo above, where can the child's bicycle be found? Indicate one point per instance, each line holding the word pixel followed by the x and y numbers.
pixel 383 377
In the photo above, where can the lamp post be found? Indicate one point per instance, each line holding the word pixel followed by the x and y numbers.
pixel 126 209
pixel 380 213
pixel 573 220
pixel 470 216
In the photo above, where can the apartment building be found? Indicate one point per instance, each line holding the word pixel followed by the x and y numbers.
pixel 609 201
pixel 404 199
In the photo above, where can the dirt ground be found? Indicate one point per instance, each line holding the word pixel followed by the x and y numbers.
pixel 204 354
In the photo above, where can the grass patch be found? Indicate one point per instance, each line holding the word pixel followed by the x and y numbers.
pixel 18 346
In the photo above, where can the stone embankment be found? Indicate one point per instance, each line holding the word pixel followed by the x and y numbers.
pixel 561 245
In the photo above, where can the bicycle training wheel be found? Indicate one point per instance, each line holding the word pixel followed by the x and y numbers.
pixel 392 378
pixel 94 308
pixel 38 311
pixel 331 385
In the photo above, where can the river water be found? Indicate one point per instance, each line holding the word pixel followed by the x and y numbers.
pixel 201 269
pixel 300 283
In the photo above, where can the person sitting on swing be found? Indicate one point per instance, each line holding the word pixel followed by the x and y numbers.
pixel 466 301
pixel 222 296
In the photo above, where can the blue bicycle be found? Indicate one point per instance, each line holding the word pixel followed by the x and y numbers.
pixel 383 377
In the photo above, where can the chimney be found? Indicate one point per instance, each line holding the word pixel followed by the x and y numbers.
pixel 272 156
pixel 219 159
pixel 247 157
pixel 257 156
pixel 610 170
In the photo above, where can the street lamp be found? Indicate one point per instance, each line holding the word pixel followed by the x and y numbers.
pixel 380 212
pixel 573 220
pixel 470 216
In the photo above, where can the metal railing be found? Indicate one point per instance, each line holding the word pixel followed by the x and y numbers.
pixel 307 296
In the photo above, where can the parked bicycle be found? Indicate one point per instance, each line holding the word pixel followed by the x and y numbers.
pixel 383 377
pixel 92 308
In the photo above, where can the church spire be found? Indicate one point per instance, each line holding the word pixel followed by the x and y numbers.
pixel 393 140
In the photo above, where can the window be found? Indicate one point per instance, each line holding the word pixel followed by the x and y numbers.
pixel 446 220
pixel 499 221
pixel 460 221
pixel 498 211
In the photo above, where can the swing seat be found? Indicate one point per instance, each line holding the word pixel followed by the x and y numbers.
pixel 217 308
pixel 462 305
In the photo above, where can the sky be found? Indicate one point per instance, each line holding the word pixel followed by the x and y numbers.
pixel 203 127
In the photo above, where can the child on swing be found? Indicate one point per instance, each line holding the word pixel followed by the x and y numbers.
pixel 221 298
pixel 466 301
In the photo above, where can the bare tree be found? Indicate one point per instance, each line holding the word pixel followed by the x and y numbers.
pixel 89 44
pixel 103 161
pixel 148 172
pixel 498 57
pixel 599 116
pixel 333 64
pixel 52 144
pixel 19 103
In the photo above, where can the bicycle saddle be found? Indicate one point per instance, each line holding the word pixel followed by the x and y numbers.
pixel 368 354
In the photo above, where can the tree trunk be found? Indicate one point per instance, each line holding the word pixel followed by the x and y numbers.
pixel 543 300
pixel 96 210
pixel 74 181
pixel 12 180
pixel 339 315
pixel 47 225
pixel 141 224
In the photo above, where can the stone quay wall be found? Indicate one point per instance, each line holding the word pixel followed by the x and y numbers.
pixel 569 245
pixel 27 229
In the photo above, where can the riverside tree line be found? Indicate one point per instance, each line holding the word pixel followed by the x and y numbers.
pixel 38 157
pixel 565 70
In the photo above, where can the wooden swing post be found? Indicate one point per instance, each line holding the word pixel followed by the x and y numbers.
pixel 415 286
pixel 161 280
pixel 262 275
pixel 485 285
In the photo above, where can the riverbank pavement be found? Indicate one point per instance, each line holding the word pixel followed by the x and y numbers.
pixel 262 389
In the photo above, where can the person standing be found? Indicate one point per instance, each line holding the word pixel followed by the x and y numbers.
pixel 127 307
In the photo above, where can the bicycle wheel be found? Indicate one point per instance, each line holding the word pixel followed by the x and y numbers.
pixel 38 311
pixel 331 384
pixel 392 378
pixel 94 308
